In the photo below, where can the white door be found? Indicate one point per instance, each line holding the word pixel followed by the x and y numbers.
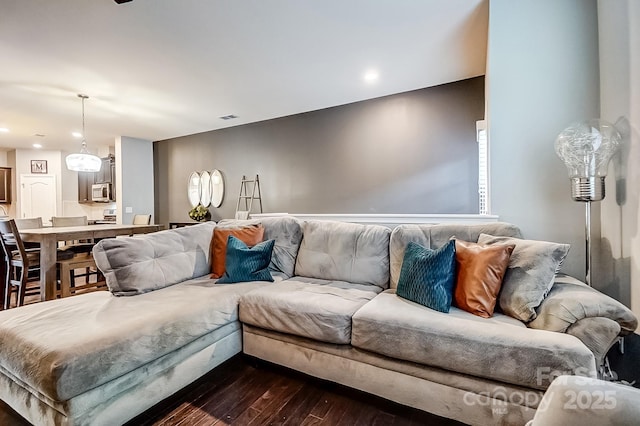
pixel 38 195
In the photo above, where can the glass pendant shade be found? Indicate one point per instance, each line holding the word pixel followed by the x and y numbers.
pixel 586 148
pixel 83 161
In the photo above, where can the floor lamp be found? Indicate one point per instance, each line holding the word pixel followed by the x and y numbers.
pixel 586 149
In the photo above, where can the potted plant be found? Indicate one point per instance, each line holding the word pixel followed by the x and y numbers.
pixel 199 213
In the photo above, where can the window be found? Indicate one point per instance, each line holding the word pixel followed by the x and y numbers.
pixel 483 166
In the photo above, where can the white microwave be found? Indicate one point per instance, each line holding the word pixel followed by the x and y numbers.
pixel 101 192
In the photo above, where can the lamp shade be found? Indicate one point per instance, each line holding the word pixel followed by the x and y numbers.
pixel 83 162
pixel 586 148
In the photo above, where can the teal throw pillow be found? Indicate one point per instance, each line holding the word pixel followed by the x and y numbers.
pixel 245 264
pixel 428 276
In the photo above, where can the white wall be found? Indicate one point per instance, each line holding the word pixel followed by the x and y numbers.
pixel 542 74
pixel 619 28
pixel 134 178
pixel 22 166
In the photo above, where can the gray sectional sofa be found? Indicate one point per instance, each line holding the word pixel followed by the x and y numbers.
pixel 331 312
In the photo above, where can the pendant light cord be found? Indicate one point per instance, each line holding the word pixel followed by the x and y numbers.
pixel 84 139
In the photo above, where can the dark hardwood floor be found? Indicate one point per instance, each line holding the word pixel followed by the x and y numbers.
pixel 245 391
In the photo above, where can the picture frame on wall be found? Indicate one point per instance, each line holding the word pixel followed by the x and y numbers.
pixel 39 167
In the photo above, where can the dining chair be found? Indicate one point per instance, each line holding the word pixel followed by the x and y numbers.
pixel 22 265
pixel 81 249
pixel 69 220
pixel 142 219
pixel 29 223
pixel 36 223
pixel 70 283
pixel 75 246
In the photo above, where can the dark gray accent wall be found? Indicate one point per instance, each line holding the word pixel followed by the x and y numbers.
pixel 413 152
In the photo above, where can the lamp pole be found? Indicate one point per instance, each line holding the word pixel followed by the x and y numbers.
pixel 587 235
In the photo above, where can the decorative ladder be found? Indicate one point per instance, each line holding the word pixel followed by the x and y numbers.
pixel 248 199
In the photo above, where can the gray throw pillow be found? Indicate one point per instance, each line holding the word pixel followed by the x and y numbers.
pixel 136 265
pixel 530 274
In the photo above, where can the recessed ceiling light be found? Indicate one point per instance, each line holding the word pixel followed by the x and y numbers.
pixel 39 135
pixel 229 117
pixel 371 76
pixel 4 130
pixel 76 134
pixel 37 145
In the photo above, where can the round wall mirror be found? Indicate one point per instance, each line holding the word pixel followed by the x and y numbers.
pixel 205 188
pixel 193 189
pixel 217 188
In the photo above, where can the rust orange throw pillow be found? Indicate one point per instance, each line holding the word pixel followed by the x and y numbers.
pixel 480 272
pixel 250 235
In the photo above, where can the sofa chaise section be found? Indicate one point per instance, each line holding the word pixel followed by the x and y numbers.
pixel 64 350
pixel 101 359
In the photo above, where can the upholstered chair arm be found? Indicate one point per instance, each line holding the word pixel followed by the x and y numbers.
pixel 596 319
pixel 579 401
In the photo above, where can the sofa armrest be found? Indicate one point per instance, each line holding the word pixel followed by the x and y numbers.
pixel 598 334
pixel 596 319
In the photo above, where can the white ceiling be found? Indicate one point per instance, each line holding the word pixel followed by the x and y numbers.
pixel 157 69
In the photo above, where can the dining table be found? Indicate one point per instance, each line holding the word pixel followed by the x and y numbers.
pixel 48 238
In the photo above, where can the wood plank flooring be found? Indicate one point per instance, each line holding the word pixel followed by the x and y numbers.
pixel 245 391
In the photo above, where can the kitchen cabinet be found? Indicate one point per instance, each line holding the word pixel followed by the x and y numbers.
pixel 85 180
pixel 105 174
pixel 5 185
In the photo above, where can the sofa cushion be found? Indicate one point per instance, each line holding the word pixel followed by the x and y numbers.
pixel 135 265
pixel 344 252
pixel 498 348
pixel 65 347
pixel 287 231
pixel 307 307
pixel 434 236
pixel 244 264
pixel 530 274
pixel 480 272
pixel 428 276
pixel 250 235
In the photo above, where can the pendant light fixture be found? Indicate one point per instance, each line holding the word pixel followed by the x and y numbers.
pixel 83 161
